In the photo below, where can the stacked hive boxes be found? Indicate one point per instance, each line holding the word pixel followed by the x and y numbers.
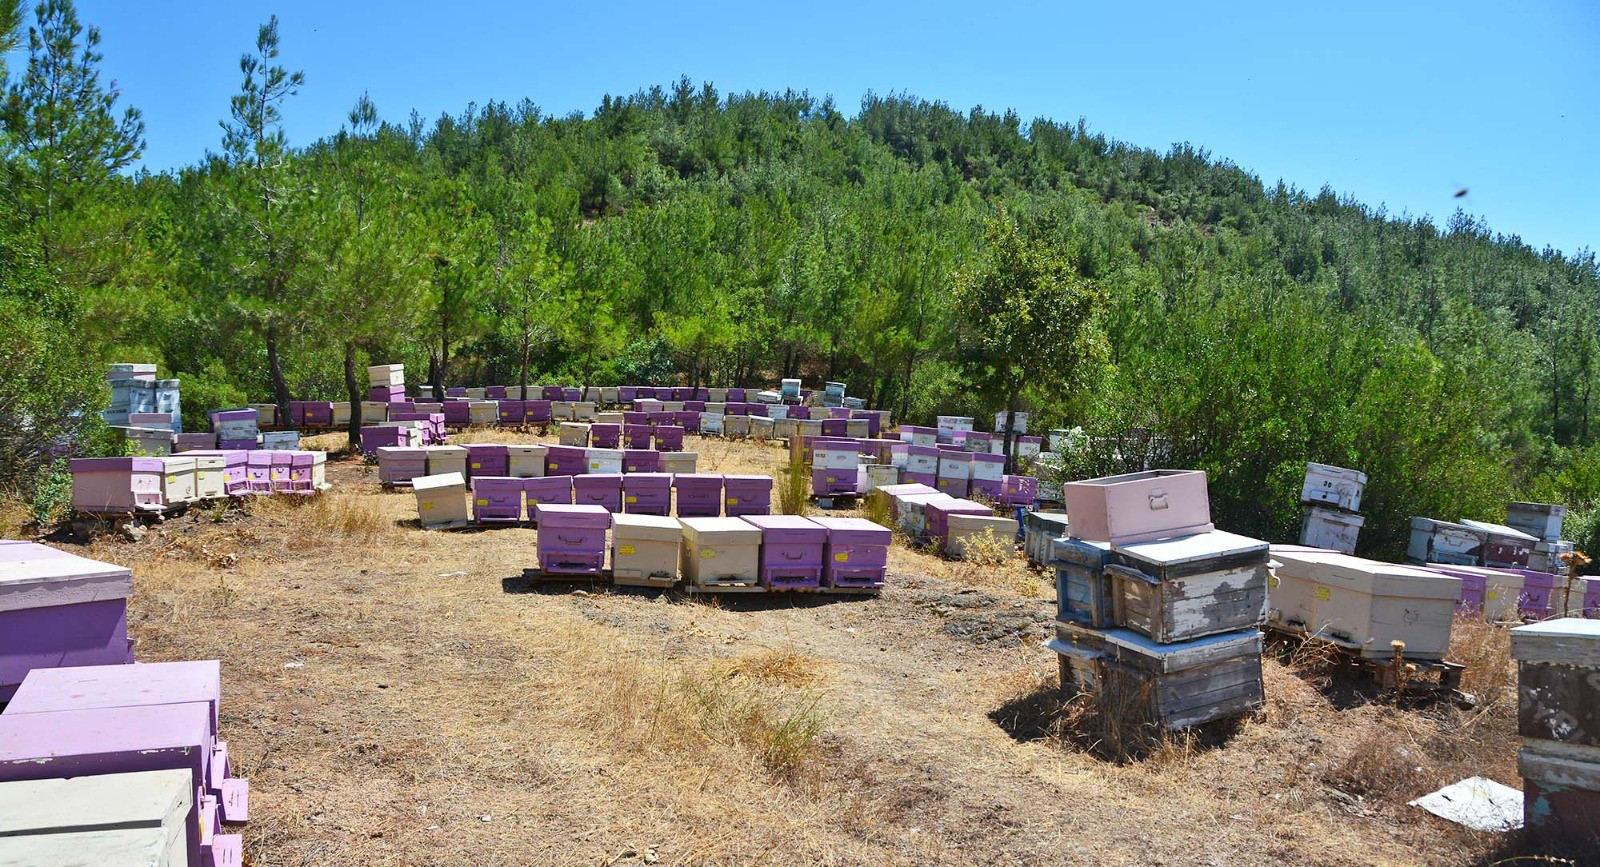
pixel 1153 604
pixel 1552 555
pixel 386 383
pixel 1528 545
pixel 59 609
pixel 1558 717
pixel 1332 497
pixel 132 818
pixel 135 390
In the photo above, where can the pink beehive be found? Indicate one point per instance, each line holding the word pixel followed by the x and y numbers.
pixel 117 484
pixel 497 499
pixel 857 552
pixel 699 495
pixel 598 489
pixel 669 438
pixel 572 539
pixel 747 495
pixel 647 493
pixel 791 551
pixel 546 491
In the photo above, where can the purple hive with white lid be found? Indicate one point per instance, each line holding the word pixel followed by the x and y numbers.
pixel 699 495
pixel 856 554
pixel 572 539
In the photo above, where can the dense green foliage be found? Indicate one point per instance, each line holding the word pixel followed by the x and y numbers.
pixel 738 238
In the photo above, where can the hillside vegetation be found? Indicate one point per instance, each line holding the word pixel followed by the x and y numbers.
pixel 682 234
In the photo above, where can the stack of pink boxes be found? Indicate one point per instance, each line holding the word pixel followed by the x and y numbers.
pixel 115 719
pixel 791 551
pixel 497 499
pixel 857 553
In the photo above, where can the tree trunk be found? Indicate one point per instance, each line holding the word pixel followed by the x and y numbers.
pixel 905 386
pixel 522 375
pixel 352 387
pixel 280 388
pixel 436 376
pixel 1011 411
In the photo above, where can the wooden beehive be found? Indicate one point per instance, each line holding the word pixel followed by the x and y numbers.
pixel 1363 604
pixel 1188 587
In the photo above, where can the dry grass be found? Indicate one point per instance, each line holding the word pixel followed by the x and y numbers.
pixel 786 666
pixel 793 488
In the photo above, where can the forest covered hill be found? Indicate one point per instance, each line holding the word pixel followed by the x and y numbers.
pixel 681 233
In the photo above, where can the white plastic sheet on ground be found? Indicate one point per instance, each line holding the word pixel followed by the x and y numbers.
pixel 1478 803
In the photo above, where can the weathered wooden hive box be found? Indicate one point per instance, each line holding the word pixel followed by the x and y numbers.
pixel 1540 520
pixel 525 461
pixel 59 609
pixel 963 531
pixel 1558 717
pixel 734 425
pixel 484 412
pixel 1330 529
pixel 1333 486
pixel 1434 541
pixel 1503 546
pixel 645 550
pixel 1138 507
pixel 721 551
pixel 746 495
pixel 1176 685
pixel 109 820
pixel 1363 604
pixel 919 436
pixel 1190 586
pixel 1039 530
pixel 879 475
pixel 1083 590
pixel 447 459
pixel 117 484
pixel 760 428
pixel 791 550
pixel 441 499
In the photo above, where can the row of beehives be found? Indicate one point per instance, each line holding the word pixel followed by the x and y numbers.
pixel 789 393
pixel 846 466
pixel 1530 539
pixel 103 761
pixel 750 553
pixel 399 465
pixel 950 525
pixel 442 499
pixel 155 484
pixel 1558 719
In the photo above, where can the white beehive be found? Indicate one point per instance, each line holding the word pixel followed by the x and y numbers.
pixel 645 550
pixel 1333 486
pixel 1363 604
pixel 441 500
pixel 720 551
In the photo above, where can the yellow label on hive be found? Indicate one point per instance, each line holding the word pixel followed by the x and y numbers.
pixel 1494 594
pixel 594 465
pixel 630 499
pixel 172 480
pixel 733 501
pixel 624 550
pixel 830 480
pixel 553 465
pixel 483 502
pixel 425 506
pixel 841 557
pixel 1322 593
pixel 476 465
pixel 707 553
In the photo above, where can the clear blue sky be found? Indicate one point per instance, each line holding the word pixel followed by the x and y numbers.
pixel 1398 103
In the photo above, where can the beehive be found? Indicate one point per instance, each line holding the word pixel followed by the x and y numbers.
pixel 441 500
pixel 1187 587
pixel 1363 604
pixel 721 551
pixel 966 530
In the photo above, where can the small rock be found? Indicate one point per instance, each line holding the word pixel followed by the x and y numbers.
pixel 131 531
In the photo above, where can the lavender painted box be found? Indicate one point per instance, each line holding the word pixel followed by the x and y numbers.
pixel 699 495
pixel 936 514
pixel 375 437
pixel 189 442
pixel 636 436
pixel 1539 597
pixel 627 393
pixel 668 438
pixel 433 430
pixel 647 493
pixel 512 412
pixel 694 406
pixel 1018 490
pixel 1138 507
pixel 536 412
pixel 498 392
pixel 688 421
pixel 605 436
pixel 386 393
pixel 553 393
pixel 457 413
pixel 59 609
pixel 488 459
pixel 398 465
pixel 800 412
pixel 117 484
pixel 873 418
pixel 829 483
pixel 497 499
pixel 791 551
pixel 318 413
pixel 572 539
pixel 565 461
pixel 258 471
pixel 734 394
pixel 547 491
pixel 96 741
pixel 856 554
pixel 747 495
pixel 641 461
pixel 598 489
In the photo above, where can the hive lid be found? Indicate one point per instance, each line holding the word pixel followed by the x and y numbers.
pixel 721 530
pixel 1563 641
pixel 137 465
pixel 1499 530
pixel 141 799
pixel 962 522
pixel 1192 548
pixel 751 480
pixel 782 522
pixel 438 482
pixel 447 451
pixel 146 683
pixel 649 527
pixel 1366 576
pixel 42 577
pixel 1179 655
pixel 957 504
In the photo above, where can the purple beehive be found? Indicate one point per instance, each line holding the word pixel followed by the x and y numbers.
pixel 791 550
pixel 647 493
pixel 733 407
pixel 433 432
pixel 297 413
pixel 456 393
pixel 736 395
pixel 834 482
pixel 115 740
pixel 627 393
pixel 857 553
pixel 279 471
pixel 936 514
pixel 688 421
pixel 403 406
pixel 645 392
pixel 755 409
pixel 536 412
pixel 191 442
pixel 565 461
pixel 59 609
pixel 1538 591
pixel 988 475
pixel 669 438
pixel 258 470
pixel 800 412
pixel 747 495
pixel 553 392
pixel 302 469
pixel 658 418
pixel 699 495
pixel 636 436
pixel 835 427
pixel 546 491
pixel 386 393
pixel 1019 490
pixel 497 499
pixel 694 406
pixel 605 435
pixel 488 459
pixel 839 412
pixel 635 417
pixel 874 420
pixel 238 445
pixel 572 539
pixel 511 411
pixel 681 392
pixel 457 413
pixel 571 395
pixel 497 392
pixel 598 489
pixel 641 461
